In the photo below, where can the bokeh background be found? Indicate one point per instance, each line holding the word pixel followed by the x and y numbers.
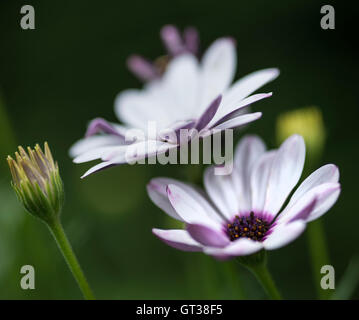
pixel 54 79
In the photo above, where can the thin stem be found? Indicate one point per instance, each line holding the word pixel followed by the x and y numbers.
pixel 71 260
pixel 266 280
pixel 319 254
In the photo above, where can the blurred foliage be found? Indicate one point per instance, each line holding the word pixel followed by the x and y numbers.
pixel 56 78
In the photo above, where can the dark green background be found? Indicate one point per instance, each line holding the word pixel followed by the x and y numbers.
pixel 56 78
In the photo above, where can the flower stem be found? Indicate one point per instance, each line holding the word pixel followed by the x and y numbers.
pixel 257 264
pixel 319 255
pixel 65 247
pixel 264 277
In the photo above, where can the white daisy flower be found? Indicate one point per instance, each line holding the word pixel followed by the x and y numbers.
pixel 191 94
pixel 241 214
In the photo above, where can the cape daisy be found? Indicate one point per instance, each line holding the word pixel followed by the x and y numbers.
pixel 190 95
pixel 239 214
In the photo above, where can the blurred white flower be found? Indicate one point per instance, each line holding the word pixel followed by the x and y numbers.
pixel 191 94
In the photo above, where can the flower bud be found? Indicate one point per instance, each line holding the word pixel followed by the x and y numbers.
pixel 37 182
pixel 308 122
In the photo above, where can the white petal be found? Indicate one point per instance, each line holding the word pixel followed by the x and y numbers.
pixel 260 175
pixel 250 83
pixel 157 191
pixel 218 69
pixel 241 247
pixel 98 167
pixel 98 153
pixel 208 236
pixel 286 170
pixel 248 151
pixel 221 190
pixel 181 85
pixel 325 203
pixel 135 108
pixel 179 239
pixel 189 209
pixel 93 142
pixel 230 109
pixel 238 121
pixel 284 234
pixel 325 174
pixel 325 195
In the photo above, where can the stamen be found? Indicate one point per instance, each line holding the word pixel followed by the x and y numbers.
pixel 250 227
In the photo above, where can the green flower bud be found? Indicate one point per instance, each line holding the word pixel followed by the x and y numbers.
pixel 37 182
pixel 308 122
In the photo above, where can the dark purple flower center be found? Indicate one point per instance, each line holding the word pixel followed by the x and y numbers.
pixel 250 227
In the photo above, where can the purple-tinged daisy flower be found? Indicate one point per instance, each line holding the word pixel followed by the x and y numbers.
pixel 239 213
pixel 175 44
pixel 191 94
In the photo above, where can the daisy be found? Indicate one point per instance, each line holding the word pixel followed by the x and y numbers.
pixel 175 44
pixel 240 214
pixel 191 94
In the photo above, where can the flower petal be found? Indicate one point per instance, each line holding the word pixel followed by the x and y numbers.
pixel 325 174
pixel 98 167
pixel 136 108
pixel 157 191
pixel 101 125
pixel 250 149
pixel 180 86
pixel 178 239
pixel 191 40
pixel 230 111
pixel 259 181
pixel 241 247
pixel 218 69
pixel 221 190
pixel 325 195
pixel 140 67
pixel 172 40
pixel 284 234
pixel 286 170
pixel 207 236
pixel 250 83
pixel 210 112
pixel 93 142
pixel 100 152
pixel 189 209
pixel 238 121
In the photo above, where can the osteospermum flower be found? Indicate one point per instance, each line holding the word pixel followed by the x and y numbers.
pixel 190 95
pixel 239 215
pixel 175 44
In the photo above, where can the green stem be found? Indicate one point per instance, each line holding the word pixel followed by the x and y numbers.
pixel 319 254
pixel 71 260
pixel 264 277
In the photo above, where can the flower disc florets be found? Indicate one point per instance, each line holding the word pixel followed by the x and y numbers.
pixel 250 227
